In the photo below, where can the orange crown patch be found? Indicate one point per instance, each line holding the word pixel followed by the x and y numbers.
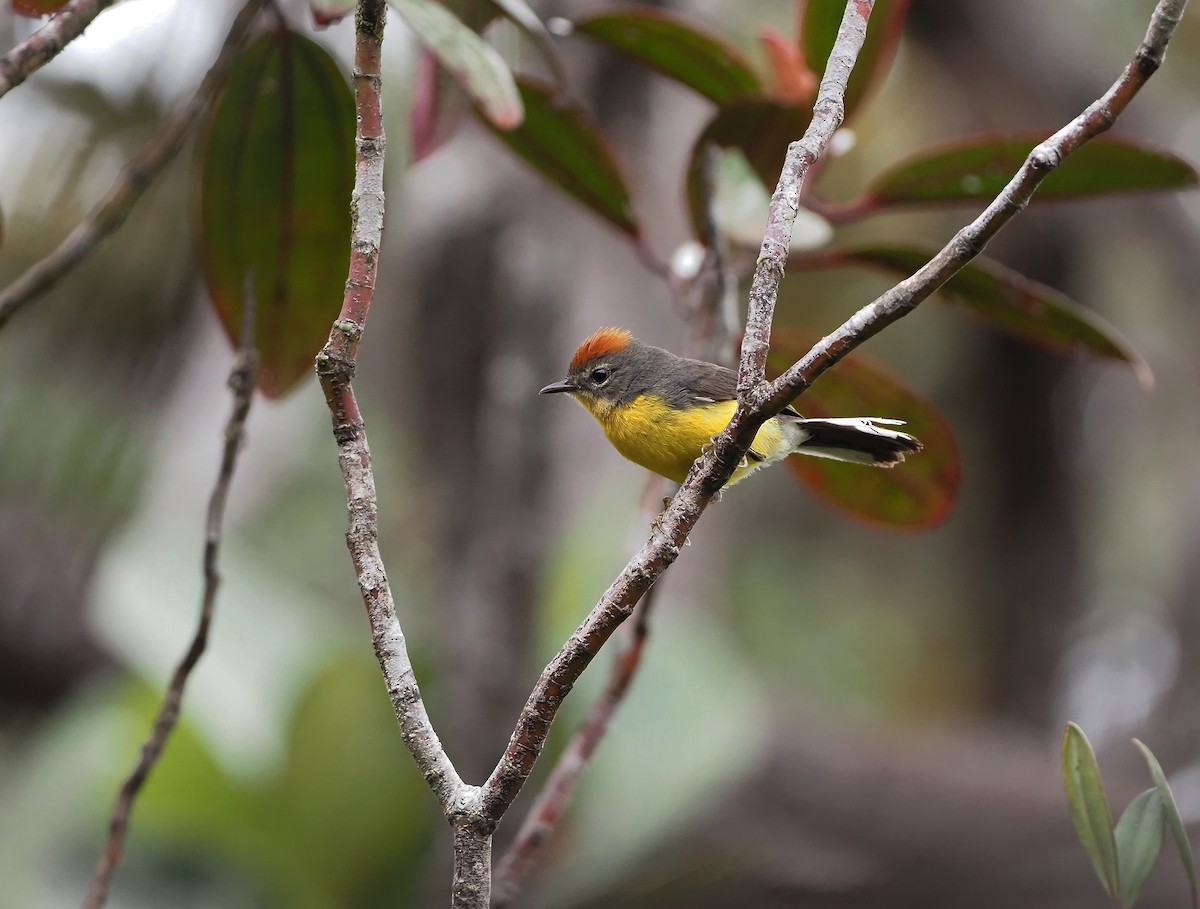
pixel 604 342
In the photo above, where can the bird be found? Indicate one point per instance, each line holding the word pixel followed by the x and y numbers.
pixel 661 410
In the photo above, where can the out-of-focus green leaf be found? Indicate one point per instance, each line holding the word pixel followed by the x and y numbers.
pixel 1139 836
pixel 917 494
pixel 563 143
pixel 1012 302
pixel 277 168
pixel 1174 821
pixel 677 48
pixel 1089 807
pixel 819 22
pixel 474 63
pixel 521 15
pixel 761 129
pixel 975 169
pixel 343 761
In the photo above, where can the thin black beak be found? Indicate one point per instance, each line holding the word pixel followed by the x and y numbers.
pixel 557 387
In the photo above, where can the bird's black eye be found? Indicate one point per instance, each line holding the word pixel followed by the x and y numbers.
pixel 600 376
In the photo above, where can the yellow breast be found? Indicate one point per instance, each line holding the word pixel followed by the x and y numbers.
pixel 650 432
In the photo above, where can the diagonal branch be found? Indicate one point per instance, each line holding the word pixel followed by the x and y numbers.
pixel 758 400
pixel 45 44
pixel 241 382
pixel 711 472
pixel 335 369
pixel 133 180
pixel 970 241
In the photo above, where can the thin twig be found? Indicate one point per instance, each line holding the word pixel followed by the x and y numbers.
pixel 559 789
pixel 241 382
pixel 714 325
pixel 335 368
pixel 44 45
pixel 133 180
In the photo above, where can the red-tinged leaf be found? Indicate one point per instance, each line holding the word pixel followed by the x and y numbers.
pixel 329 12
pixel 1010 301
pixel 523 17
pixel 276 171
pixel 474 63
pixel 761 129
pixel 35 9
pixel 791 81
pixel 916 494
pixel 975 169
pixel 560 141
pixel 435 111
pixel 677 48
pixel 818 26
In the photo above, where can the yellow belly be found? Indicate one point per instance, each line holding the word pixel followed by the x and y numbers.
pixel 667 441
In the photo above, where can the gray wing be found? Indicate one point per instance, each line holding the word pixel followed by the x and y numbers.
pixel 706 383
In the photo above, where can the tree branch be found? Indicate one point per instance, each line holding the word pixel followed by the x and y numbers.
pixel 710 472
pixel 335 369
pixel 44 45
pixel 241 382
pixel 552 801
pixel 758 400
pixel 133 180
pixel 970 241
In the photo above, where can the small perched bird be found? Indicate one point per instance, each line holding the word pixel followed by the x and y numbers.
pixel 660 411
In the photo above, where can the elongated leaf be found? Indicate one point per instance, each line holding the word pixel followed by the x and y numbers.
pixel 562 142
pixel 1139 836
pixel 520 14
pixel 917 494
pixel 761 129
pixel 819 22
pixel 1010 301
pixel 677 48
pixel 277 168
pixel 474 63
pixel 975 169
pixel 1174 821
pixel 1089 807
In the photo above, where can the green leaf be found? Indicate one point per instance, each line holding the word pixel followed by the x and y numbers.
pixel 474 63
pixel 276 171
pixel 1139 836
pixel 677 48
pixel 975 169
pixel 1089 807
pixel 520 14
pixel 819 22
pixel 1174 821
pixel 761 129
pixel 559 140
pixel 915 495
pixel 1009 301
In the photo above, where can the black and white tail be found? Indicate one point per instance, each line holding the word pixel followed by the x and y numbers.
pixel 862 440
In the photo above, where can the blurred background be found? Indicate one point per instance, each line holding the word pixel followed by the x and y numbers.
pixel 828 714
